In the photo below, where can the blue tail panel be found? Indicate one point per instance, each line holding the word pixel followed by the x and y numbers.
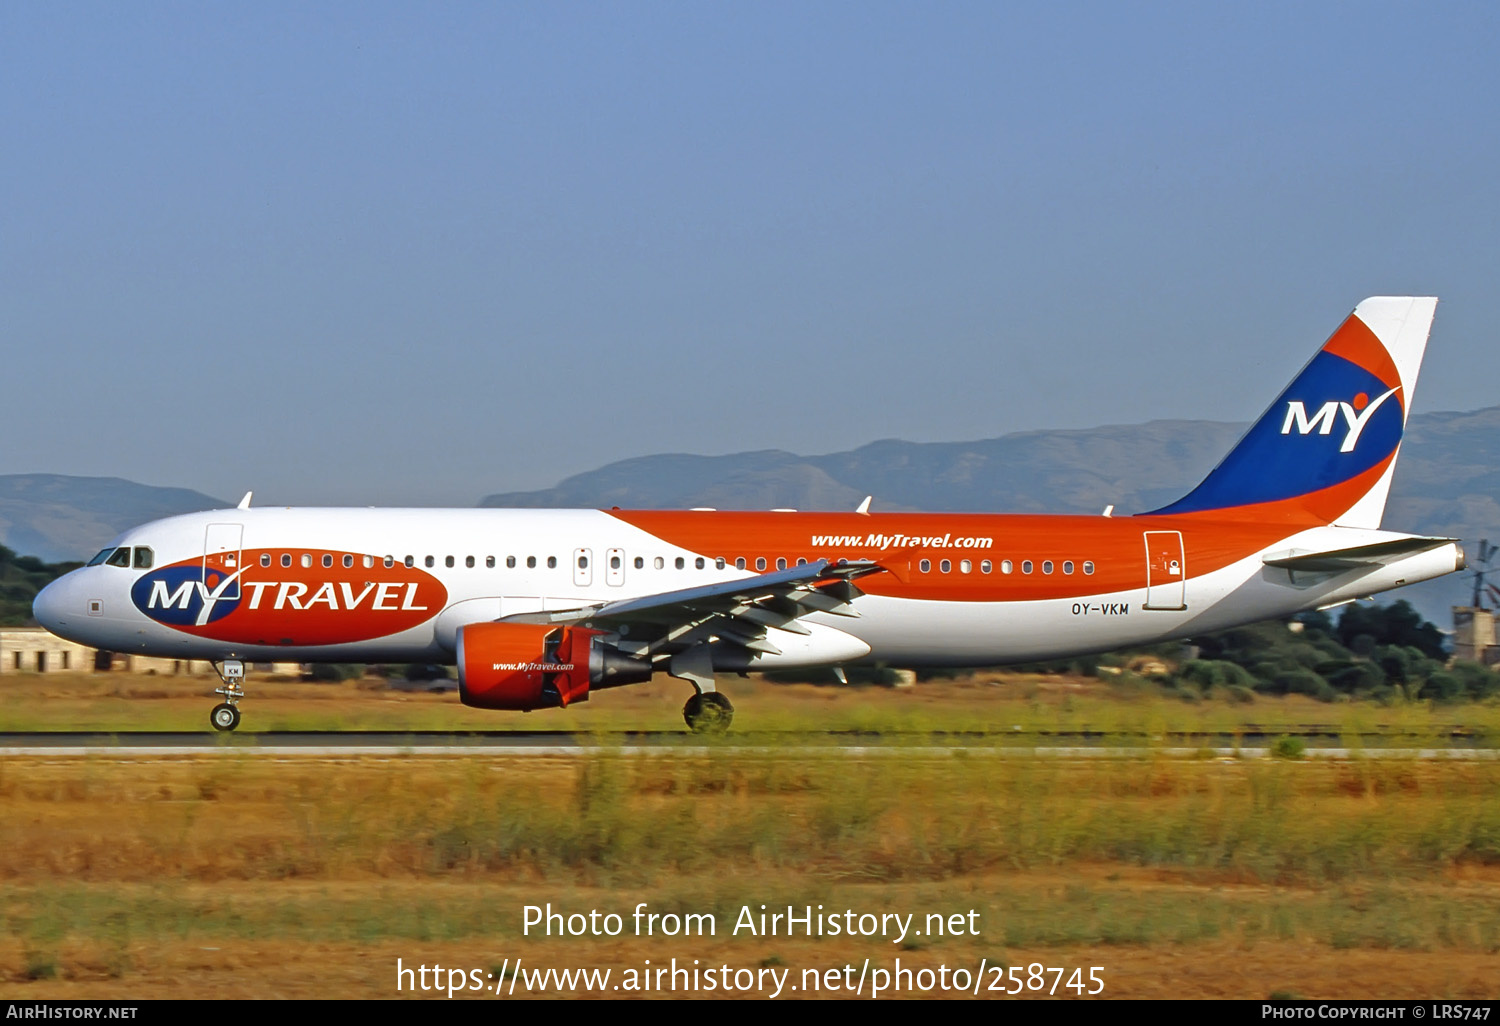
pixel 1333 423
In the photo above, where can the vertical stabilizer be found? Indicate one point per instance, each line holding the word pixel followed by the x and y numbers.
pixel 1326 449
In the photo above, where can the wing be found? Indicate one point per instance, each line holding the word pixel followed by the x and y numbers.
pixel 739 612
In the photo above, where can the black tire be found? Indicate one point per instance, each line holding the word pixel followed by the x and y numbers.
pixel 708 713
pixel 224 717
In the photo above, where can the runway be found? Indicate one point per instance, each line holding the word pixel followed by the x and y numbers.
pixel 1071 745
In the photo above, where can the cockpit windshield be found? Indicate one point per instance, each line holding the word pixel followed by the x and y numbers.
pixel 141 556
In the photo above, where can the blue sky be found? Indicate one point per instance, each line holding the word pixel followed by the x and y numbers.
pixel 416 253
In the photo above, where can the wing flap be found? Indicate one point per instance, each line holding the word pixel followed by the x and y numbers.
pixel 740 612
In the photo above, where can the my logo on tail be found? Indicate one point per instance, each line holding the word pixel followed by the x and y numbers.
pixel 1356 415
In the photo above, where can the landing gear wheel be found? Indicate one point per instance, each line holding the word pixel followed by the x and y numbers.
pixel 708 713
pixel 224 716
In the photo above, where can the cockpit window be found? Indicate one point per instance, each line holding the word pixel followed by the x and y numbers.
pixel 103 555
pixel 143 558
pixel 120 557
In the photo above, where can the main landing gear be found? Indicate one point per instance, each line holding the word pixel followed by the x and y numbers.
pixel 708 713
pixel 226 715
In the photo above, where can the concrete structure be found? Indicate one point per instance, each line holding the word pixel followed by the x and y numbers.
pixel 37 650
pixel 1474 635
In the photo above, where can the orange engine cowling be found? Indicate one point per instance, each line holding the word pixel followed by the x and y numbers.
pixel 536 666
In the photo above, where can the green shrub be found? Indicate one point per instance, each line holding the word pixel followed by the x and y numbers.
pixel 1357 676
pixel 1238 694
pixel 1287 747
pixel 1215 672
pixel 1299 682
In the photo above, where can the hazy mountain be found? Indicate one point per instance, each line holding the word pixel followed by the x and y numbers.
pixel 59 518
pixel 1133 467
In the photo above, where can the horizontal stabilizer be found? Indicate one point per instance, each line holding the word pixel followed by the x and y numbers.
pixel 1337 560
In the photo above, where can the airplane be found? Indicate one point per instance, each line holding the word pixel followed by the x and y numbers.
pixel 538 608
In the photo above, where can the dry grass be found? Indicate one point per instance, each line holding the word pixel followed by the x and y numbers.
pixel 995 702
pixel 235 874
pixel 116 875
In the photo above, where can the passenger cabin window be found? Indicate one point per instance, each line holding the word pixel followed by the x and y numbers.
pixel 739 564
pixel 1025 566
pixel 410 561
pixel 760 562
pixel 945 566
pixel 964 566
pixel 327 559
pixel 286 559
pixel 926 566
pixel 1067 566
pixel 551 562
pixel 489 562
pixel 640 562
pixel 658 562
pixel 448 561
pixel 719 563
pixel 583 562
pixel 680 563
pixel 369 562
pixel 307 559
pixel 349 561
pixel 1046 566
pixel 1088 566
pixel 265 559
pixel 429 561
pixel 510 562
pixel 615 562
pixel 531 562
pixel 389 561
pixel 699 563
pixel 469 562
pixel 985 566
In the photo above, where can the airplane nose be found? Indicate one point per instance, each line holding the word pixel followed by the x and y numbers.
pixel 50 607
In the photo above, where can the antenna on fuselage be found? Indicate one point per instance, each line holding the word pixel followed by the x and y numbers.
pixel 245 502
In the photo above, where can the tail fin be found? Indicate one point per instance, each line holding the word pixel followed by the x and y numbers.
pixel 1326 449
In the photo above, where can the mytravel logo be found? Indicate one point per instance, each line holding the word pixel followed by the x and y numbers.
pixel 1356 415
pixel 182 595
pixel 266 603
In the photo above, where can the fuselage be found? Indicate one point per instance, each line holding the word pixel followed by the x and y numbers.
pixel 396 585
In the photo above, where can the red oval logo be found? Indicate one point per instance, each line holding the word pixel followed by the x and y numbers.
pixel 293 605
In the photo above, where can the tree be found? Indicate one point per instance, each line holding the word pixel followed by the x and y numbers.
pixel 1395 624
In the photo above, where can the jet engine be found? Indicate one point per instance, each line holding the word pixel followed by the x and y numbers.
pixel 537 666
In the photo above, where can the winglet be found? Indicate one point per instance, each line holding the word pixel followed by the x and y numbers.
pixel 245 502
pixel 864 507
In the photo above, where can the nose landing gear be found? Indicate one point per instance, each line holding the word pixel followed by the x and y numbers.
pixel 226 715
